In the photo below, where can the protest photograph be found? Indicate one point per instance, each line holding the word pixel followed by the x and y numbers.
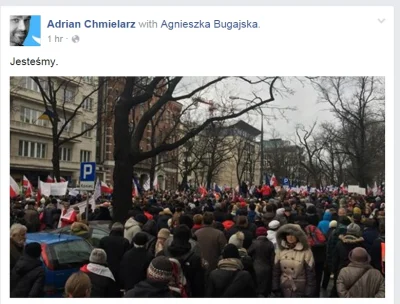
pixel 197 187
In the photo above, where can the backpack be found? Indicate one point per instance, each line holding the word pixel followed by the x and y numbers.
pixel 179 282
pixel 315 237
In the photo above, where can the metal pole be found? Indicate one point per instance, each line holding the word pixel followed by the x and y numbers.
pixel 87 209
pixel 262 149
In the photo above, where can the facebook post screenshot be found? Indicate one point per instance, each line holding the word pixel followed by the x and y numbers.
pixel 198 152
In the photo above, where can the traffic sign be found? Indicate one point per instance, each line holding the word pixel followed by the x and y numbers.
pixel 87 176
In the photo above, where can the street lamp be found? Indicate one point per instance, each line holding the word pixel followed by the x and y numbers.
pixel 259 110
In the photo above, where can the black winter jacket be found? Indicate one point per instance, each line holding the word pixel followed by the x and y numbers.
pixel 192 267
pixel 230 284
pixel 263 253
pixel 150 289
pixel 341 254
pixel 102 286
pixel 115 246
pixel 133 267
pixel 27 278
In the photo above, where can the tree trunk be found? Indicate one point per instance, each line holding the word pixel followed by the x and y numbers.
pixel 123 170
pixel 56 160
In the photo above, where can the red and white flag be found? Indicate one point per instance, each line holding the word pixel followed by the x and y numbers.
pixel 14 188
pixel 49 179
pixel 39 193
pixel 273 181
pixel 155 183
pixel 105 188
pixel 28 186
pixel 134 189
pixel 62 179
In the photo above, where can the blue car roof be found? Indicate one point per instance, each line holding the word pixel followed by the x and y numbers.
pixel 50 238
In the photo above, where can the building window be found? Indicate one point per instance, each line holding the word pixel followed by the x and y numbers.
pixel 67 127
pixel 88 104
pixel 32 149
pixel 69 95
pixel 88 79
pixel 31 116
pixel 85 156
pixel 85 127
pixel 65 154
pixel 29 84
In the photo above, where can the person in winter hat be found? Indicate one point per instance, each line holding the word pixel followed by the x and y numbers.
pixel 191 262
pixel 324 224
pixel 115 246
pixel 273 227
pixel 237 240
pixel 134 225
pixel 229 280
pixel 134 263
pixel 101 277
pixel 262 252
pixel 359 279
pixel 158 276
pixel 293 273
pixel 347 242
pixel 27 277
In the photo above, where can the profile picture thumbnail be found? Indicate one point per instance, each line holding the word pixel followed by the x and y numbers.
pixel 24 30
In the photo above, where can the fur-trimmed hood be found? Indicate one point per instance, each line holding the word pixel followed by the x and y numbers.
pixel 350 239
pixel 291 229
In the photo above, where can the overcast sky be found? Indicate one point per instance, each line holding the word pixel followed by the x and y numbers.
pixel 304 99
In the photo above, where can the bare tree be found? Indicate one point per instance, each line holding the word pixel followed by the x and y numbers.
pixel 61 105
pixel 358 104
pixel 312 149
pixel 136 91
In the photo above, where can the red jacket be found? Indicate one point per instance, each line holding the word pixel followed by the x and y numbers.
pixel 266 190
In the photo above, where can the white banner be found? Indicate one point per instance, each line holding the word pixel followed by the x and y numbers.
pixel 353 189
pixel 56 189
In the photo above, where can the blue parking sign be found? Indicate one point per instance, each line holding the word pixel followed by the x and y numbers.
pixel 87 175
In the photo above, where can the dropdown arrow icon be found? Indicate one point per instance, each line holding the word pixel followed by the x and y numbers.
pixel 381 20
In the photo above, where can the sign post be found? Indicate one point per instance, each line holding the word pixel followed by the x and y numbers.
pixel 87 178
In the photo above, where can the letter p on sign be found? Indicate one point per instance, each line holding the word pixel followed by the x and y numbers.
pixel 87 170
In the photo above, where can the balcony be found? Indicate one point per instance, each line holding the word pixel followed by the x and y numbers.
pixel 41 164
pixel 30 129
pixel 38 131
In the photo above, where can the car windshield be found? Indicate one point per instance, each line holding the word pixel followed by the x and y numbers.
pixel 70 254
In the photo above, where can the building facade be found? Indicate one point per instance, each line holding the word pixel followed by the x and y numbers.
pixel 166 169
pixel 31 137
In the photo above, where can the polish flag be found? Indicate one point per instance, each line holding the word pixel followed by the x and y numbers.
pixel 62 179
pixel 14 188
pixel 273 181
pixel 202 190
pixel 28 186
pixel 39 193
pixel 155 183
pixel 134 189
pixel 105 188
pixel 49 179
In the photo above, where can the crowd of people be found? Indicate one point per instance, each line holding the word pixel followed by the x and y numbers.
pixel 183 244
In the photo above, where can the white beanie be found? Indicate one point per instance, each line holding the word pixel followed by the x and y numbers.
pixel 237 239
